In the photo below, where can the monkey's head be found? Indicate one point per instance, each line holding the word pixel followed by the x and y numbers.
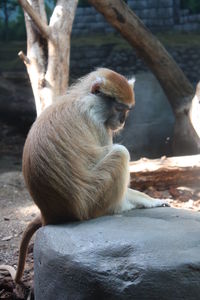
pixel 118 96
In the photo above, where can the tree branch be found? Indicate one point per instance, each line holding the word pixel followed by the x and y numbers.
pixel 43 11
pixel 23 57
pixel 63 15
pixel 59 46
pixel 43 28
pixel 176 86
pixel 172 79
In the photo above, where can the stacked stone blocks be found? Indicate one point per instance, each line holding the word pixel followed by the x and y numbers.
pixel 156 15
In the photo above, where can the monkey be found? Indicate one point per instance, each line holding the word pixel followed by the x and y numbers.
pixel 71 167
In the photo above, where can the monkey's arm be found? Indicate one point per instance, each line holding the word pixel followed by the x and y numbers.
pixel 111 177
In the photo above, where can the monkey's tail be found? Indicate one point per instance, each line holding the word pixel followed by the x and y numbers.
pixel 32 227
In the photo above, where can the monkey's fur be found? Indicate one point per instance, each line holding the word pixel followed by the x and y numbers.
pixel 70 165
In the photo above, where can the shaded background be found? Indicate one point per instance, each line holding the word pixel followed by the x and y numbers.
pixel 94 44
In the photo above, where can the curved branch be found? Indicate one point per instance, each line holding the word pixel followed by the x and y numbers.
pixel 43 28
pixel 172 79
pixel 175 84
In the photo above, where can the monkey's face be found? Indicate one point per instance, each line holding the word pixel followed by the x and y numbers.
pixel 115 113
pixel 118 113
pixel 117 95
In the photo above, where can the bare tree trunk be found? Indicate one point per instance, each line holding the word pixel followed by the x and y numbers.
pixel 178 89
pixel 48 49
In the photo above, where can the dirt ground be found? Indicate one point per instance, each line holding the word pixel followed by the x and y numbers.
pixel 17 209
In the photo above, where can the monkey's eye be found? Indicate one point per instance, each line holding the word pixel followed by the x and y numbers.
pixel 97 92
pixel 120 107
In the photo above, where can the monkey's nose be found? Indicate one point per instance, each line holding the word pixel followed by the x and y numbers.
pixel 122 119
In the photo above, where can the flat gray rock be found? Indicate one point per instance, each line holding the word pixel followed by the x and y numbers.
pixel 142 254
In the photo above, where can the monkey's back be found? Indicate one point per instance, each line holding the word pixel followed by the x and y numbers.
pixel 59 154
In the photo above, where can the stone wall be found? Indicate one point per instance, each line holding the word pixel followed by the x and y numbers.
pixel 85 59
pixel 156 14
pixel 187 22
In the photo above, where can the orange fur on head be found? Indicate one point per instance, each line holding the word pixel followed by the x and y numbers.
pixel 116 85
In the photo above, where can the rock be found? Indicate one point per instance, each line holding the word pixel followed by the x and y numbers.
pixel 142 254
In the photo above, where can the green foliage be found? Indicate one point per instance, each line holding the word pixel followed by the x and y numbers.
pixel 11 21
pixel 192 5
pixel 17 27
pixel 12 26
pixel 8 6
pixel 14 29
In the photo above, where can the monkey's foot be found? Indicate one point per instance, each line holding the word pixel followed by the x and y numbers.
pixel 158 203
pixel 148 202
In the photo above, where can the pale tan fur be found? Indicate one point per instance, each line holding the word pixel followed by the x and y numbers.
pixel 69 162
pixel 71 167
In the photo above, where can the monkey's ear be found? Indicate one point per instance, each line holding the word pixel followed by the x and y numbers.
pixel 132 82
pixel 96 85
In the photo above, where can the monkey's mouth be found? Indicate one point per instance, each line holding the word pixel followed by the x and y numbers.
pixel 116 127
pixel 121 126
